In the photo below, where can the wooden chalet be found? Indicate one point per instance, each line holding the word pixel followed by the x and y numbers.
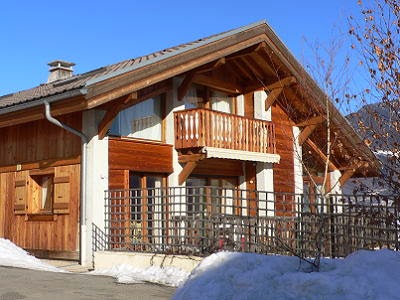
pixel 231 110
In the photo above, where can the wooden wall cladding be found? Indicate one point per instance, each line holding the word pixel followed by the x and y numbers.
pixel 60 233
pixel 284 171
pixel 219 167
pixel 118 179
pixel 139 156
pixel 39 141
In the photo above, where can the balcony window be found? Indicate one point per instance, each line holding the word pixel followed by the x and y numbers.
pixel 142 120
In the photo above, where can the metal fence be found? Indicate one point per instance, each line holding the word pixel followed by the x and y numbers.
pixel 203 220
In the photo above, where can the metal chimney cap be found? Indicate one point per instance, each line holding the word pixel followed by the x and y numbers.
pixel 61 64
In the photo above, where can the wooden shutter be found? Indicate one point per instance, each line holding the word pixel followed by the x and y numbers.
pixel 21 185
pixel 62 195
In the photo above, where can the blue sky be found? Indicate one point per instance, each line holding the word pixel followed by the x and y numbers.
pixel 96 33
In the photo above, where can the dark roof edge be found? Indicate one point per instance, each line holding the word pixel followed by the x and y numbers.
pixel 168 55
pixel 40 101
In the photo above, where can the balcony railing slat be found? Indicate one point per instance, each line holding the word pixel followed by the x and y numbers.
pixel 204 127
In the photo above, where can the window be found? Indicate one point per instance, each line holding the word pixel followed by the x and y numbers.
pixel 143 120
pixel 147 207
pixel 42 193
pixel 193 98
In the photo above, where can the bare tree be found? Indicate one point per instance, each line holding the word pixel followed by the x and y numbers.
pixel 377 40
pixel 330 68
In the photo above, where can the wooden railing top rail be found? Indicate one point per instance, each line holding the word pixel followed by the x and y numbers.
pixel 216 112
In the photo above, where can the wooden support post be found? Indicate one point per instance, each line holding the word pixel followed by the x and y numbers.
pixel 312 121
pixel 346 176
pixel 305 133
pixel 113 112
pixel 272 96
pixel 331 166
pixel 276 88
pixel 186 171
pixel 285 82
pixel 310 126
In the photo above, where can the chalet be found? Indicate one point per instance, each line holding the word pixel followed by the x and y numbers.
pixel 211 127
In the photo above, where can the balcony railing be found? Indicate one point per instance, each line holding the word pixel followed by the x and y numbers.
pixel 203 127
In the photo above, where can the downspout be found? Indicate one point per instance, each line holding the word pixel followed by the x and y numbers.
pixel 83 217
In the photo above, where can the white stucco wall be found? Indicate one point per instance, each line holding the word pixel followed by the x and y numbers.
pixel 173 104
pixel 97 176
pixel 336 188
pixel 297 160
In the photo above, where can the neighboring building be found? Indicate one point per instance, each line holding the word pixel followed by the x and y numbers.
pixel 234 110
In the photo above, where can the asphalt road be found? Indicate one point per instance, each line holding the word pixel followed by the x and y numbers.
pixel 28 284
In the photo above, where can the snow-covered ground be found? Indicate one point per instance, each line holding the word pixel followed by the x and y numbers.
pixel 225 275
pixel 13 256
pixel 128 274
pixel 362 275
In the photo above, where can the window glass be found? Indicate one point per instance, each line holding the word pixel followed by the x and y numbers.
pixel 192 98
pixel 42 193
pixel 142 120
pixel 47 193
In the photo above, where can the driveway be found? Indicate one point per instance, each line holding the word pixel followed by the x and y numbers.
pixel 28 284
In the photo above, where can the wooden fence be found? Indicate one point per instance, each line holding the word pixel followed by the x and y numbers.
pixel 182 221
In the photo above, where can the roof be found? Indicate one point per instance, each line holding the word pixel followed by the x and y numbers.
pixel 79 81
pixel 106 84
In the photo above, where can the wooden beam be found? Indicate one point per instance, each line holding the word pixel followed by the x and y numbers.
pixel 312 121
pixel 185 85
pixel 306 132
pixel 37 113
pixel 217 84
pixel 184 158
pixel 346 176
pixel 321 155
pixel 252 67
pixel 243 70
pixel 113 112
pixel 271 97
pixel 186 171
pixel 41 164
pixel 261 47
pixel 285 82
pixel 214 65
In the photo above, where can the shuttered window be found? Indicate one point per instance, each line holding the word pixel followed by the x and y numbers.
pixel 42 192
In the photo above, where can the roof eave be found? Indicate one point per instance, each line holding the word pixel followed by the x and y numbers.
pixel 40 101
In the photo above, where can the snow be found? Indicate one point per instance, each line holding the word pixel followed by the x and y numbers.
pixel 362 275
pixel 226 275
pixel 13 256
pixel 128 274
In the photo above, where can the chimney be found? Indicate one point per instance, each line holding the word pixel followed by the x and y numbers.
pixel 59 69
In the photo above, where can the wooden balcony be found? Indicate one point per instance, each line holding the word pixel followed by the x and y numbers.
pixel 197 128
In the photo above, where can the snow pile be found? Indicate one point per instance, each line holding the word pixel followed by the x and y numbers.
pixel 13 256
pixel 226 275
pixel 362 275
pixel 128 274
